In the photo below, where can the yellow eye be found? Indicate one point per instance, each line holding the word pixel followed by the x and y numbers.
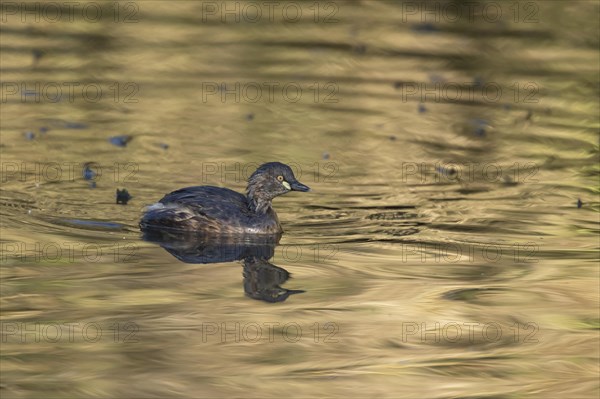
pixel 280 178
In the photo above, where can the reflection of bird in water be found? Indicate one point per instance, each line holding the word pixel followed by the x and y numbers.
pixel 218 210
pixel 262 279
pixel 197 247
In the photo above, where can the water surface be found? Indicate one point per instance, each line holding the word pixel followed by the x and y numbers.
pixel 449 247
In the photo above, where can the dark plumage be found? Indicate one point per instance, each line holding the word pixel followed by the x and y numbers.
pixel 219 210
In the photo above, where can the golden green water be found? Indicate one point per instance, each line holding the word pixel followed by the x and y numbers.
pixel 442 252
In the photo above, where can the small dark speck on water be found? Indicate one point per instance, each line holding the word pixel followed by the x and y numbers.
pixel 446 171
pixel 325 155
pixel 425 28
pixel 75 125
pixel 480 131
pixel 398 84
pixel 478 81
pixel 508 180
pixel 550 160
pixel 529 115
pixel 29 135
pixel 480 125
pixel 250 117
pixel 422 108
pixel 88 173
pixel 93 184
pixel 579 203
pixel 392 138
pixel 120 141
pixel 44 130
pixel 163 146
pixel 123 196
pixel 37 55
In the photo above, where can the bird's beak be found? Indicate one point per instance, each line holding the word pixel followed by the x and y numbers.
pixel 297 186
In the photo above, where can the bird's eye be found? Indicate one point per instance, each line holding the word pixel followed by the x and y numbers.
pixel 280 178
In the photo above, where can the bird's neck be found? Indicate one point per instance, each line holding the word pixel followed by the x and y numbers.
pixel 256 204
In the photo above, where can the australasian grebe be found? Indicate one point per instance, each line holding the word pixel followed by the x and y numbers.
pixel 217 210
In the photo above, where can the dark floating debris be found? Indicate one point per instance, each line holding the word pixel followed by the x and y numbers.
pixel 478 82
pixel 549 162
pixel 400 215
pixel 325 155
pixel 123 196
pixel 44 130
pixel 250 117
pixel 425 28
pixel 88 173
pixel 529 115
pixel 75 125
pixel 480 127
pixel 163 146
pixel 37 55
pixel 393 138
pixel 398 84
pixel 579 203
pixel 29 135
pixel 422 108
pixel 120 141
pixel 93 184
pixel 508 181
pixel 448 172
